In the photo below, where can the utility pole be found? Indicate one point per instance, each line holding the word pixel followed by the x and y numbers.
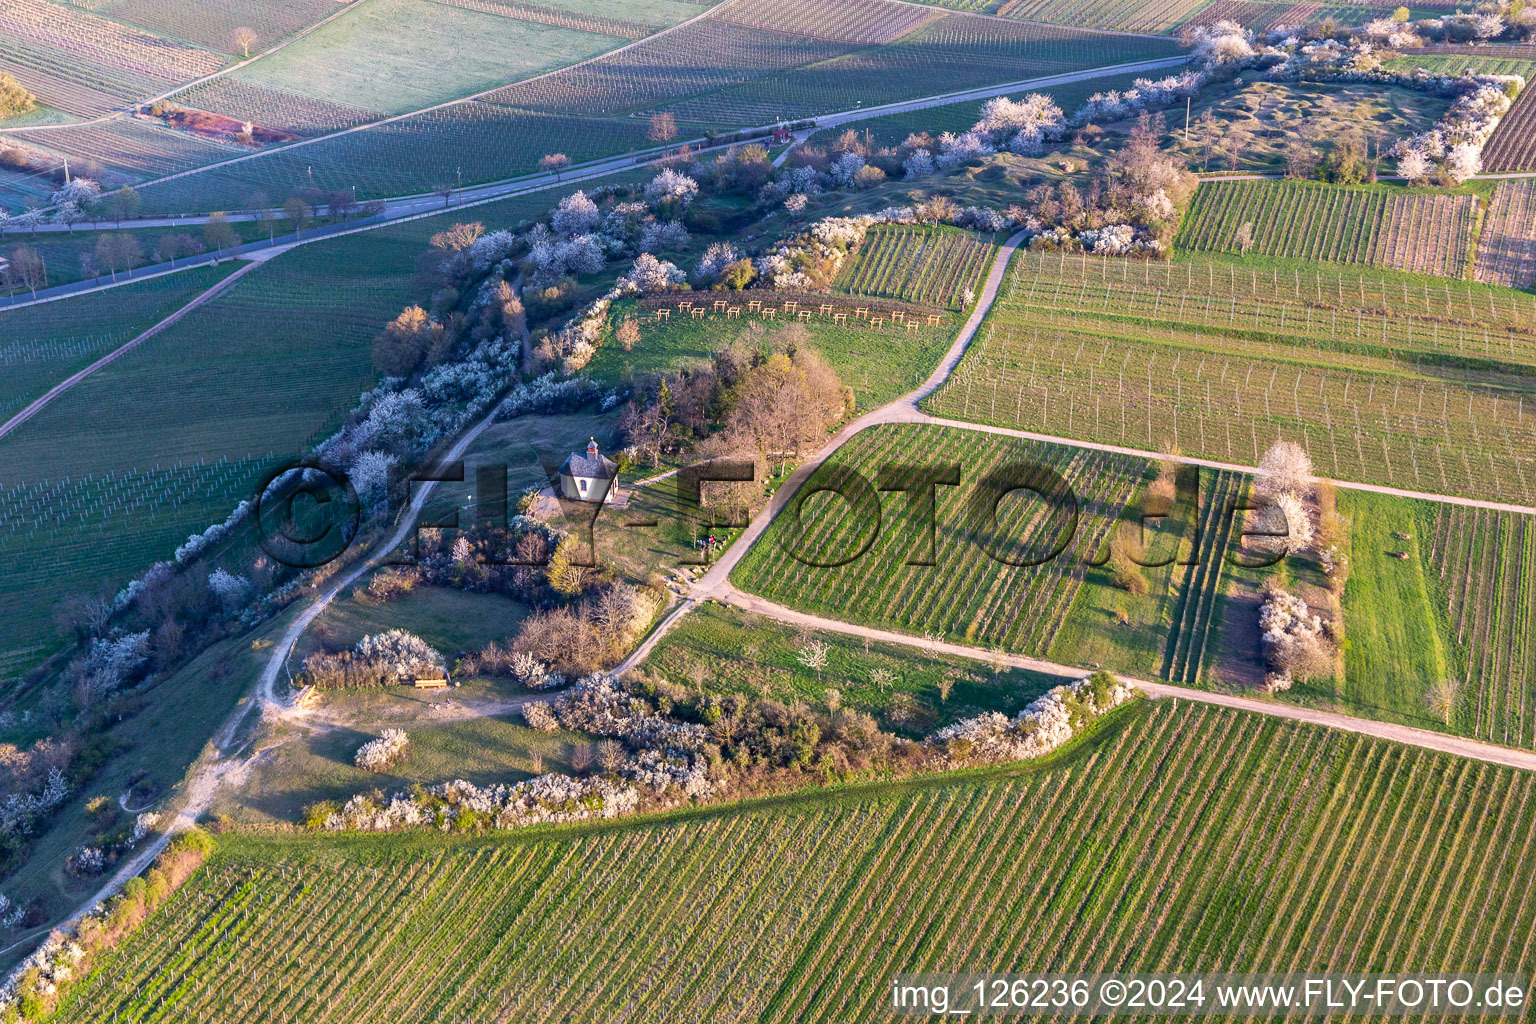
pixel 1187 100
pixel 66 170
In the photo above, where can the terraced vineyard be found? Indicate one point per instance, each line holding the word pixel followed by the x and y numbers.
pixel 134 148
pixel 992 596
pixel 1506 253
pixel 39 348
pixel 1234 840
pixel 1384 378
pixel 1513 146
pixel 1119 15
pixel 1485 562
pixel 167 440
pixel 1190 647
pixel 1422 231
pixel 724 70
pixel 929 265
pixel 88 65
pixel 212 23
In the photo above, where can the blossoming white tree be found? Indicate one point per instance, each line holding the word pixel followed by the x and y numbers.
pixel 575 215
pixel 378 754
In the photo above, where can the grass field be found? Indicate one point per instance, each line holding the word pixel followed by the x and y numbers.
pixel 961 593
pixel 1274 113
pixel 1506 252
pixel 318 765
pixel 387 56
pixel 1173 839
pixel 1383 377
pixel 937 265
pixel 1420 230
pixel 727 651
pixel 878 363
pixel 1397 641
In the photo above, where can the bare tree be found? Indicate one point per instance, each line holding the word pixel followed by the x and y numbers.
pixel 663 128
pixel 27 269
pixel 882 678
pixel 1242 241
pixel 296 213
pixel 610 755
pixel 245 38
pixel 581 758
pixel 218 235
pixel 125 204
pixel 1300 159
pixel 1444 695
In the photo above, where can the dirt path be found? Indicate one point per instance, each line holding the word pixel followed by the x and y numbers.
pixel 1507 756
pixel 39 404
pixel 716 584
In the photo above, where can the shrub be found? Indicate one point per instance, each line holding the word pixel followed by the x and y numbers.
pixel 378 754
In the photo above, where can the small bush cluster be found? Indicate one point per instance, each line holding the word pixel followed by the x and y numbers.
pixel 1045 725
pixel 379 754
pixel 380 659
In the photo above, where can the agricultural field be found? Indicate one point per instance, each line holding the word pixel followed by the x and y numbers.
pixel 877 362
pixel 1513 146
pixel 958 51
pixel 1383 377
pixel 1506 252
pixel 1117 15
pixel 386 56
pixel 1481 567
pixel 1173 631
pixel 70 256
pixel 845 562
pixel 213 24
pixel 1421 230
pixel 936 266
pixel 87 65
pixel 1228 831
pixel 168 439
pixel 210 402
pixel 42 347
pixel 891 129
pixel 1504 63
pixel 723 70
pixel 410 156
pixel 130 149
